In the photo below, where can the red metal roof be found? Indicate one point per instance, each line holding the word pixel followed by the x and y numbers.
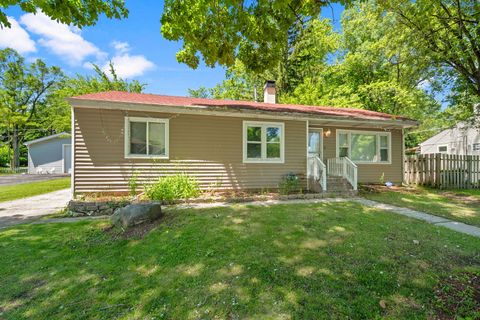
pixel 155 99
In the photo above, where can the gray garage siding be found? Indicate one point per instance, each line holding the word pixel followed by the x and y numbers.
pixel 47 155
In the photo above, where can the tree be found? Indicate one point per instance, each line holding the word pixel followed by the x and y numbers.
pixel 221 32
pixel 23 90
pixel 448 31
pixel 309 45
pixel 78 13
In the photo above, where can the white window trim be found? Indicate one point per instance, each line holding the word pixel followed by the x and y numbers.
pixel 264 158
pixel 377 133
pixel 145 156
pixel 442 145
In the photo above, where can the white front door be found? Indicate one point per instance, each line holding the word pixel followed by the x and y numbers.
pixel 315 143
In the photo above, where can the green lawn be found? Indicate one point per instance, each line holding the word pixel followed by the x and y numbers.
pixel 337 260
pixel 458 205
pixel 32 189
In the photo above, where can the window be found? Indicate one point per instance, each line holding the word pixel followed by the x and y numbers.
pixel 263 142
pixel 146 138
pixel 476 147
pixel 343 144
pixel 364 146
pixel 442 149
pixel 315 142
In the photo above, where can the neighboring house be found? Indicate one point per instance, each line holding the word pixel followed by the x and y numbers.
pixel 51 154
pixel 463 139
pixel 227 144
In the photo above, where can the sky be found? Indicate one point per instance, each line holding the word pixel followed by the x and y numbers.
pixel 135 46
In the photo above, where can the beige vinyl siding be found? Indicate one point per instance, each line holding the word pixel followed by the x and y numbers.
pixel 371 173
pixel 208 148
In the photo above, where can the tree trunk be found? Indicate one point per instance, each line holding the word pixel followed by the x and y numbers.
pixel 15 161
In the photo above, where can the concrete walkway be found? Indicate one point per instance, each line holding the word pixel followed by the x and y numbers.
pixel 436 220
pixel 63 196
pixel 26 209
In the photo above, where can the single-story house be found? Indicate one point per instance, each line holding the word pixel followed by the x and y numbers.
pixel 462 139
pixel 227 144
pixel 51 154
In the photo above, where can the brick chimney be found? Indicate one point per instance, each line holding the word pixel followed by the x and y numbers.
pixel 269 92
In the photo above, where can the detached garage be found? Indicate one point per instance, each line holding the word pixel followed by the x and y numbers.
pixel 50 155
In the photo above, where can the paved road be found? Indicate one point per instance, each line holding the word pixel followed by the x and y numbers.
pixel 20 210
pixel 11 179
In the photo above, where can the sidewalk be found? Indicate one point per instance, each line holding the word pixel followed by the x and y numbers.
pixel 435 220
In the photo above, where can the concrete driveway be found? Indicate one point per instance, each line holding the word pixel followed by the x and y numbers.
pixel 21 210
pixel 11 179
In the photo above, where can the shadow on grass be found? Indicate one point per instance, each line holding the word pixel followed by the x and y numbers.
pixel 284 261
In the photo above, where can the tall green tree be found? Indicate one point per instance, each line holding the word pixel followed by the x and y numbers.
pixel 221 32
pixel 24 89
pixel 78 13
pixel 447 31
pixel 309 45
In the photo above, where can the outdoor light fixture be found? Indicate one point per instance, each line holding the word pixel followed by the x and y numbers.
pixel 328 133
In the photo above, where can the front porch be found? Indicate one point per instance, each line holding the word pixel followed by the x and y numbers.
pixel 337 175
pixel 339 157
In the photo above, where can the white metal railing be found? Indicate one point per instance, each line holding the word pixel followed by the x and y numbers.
pixel 350 170
pixel 343 167
pixel 318 171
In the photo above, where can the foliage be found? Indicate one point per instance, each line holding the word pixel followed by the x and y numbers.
pixel 24 90
pixel 302 261
pixel 254 33
pixel 174 187
pixel 4 156
pixel 290 183
pixel 78 13
pixel 23 190
pixel 447 31
pixel 133 184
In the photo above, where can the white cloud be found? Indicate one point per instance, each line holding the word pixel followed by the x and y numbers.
pixel 64 41
pixel 127 65
pixel 16 38
pixel 121 47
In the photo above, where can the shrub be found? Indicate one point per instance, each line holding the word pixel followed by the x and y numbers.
pixel 290 183
pixel 4 156
pixel 133 184
pixel 170 188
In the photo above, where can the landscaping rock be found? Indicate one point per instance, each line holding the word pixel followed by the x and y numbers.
pixel 134 214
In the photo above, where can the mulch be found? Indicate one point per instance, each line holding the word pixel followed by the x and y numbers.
pixel 458 296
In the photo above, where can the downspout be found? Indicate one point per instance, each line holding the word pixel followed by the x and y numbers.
pixel 308 180
pixel 72 157
pixel 403 156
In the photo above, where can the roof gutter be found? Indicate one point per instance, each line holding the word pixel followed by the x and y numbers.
pixel 225 111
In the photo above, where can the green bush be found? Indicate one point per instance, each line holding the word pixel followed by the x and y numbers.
pixel 290 183
pixel 4 156
pixel 170 188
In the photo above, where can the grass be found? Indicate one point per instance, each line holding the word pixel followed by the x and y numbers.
pixel 458 205
pixel 23 190
pixel 331 260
